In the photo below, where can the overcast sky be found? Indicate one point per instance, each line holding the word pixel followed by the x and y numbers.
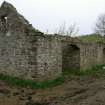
pixel 50 14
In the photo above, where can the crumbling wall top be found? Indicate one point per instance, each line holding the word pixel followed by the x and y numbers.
pixel 12 21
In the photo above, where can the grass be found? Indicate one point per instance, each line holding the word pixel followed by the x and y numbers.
pixel 13 81
pixel 96 71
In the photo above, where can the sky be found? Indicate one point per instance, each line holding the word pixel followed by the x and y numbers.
pixel 48 15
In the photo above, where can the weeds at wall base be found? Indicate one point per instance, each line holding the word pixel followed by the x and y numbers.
pixel 96 71
pixel 13 81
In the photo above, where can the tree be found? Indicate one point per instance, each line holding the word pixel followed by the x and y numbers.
pixel 100 25
pixel 71 30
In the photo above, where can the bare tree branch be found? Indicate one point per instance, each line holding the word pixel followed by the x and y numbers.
pixel 69 31
pixel 100 25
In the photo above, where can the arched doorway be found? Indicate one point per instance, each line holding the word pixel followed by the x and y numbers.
pixel 71 58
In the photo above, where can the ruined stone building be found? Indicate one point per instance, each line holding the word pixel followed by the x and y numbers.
pixel 30 54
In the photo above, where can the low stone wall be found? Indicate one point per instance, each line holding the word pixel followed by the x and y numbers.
pixel 91 55
pixel 86 56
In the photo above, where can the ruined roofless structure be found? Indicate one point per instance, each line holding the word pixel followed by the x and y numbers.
pixel 29 54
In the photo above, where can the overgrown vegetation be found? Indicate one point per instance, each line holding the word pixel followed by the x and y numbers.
pixel 93 38
pixel 13 81
pixel 96 71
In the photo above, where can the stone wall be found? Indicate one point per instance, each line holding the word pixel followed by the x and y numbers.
pixel 16 55
pixel 25 52
pixel 91 54
pixel 49 57
pixel 103 51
